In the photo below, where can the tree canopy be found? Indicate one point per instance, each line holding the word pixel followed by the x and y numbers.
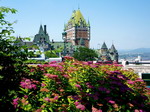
pixel 11 61
pixel 85 54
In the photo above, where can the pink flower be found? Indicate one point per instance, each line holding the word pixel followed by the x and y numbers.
pixel 15 102
pixel 33 86
pixel 51 76
pixel 56 98
pixel 90 62
pixel 47 99
pixel 55 65
pixel 76 103
pixel 27 84
pixel 139 80
pixel 68 58
pixel 78 86
pixel 66 76
pixel 93 66
pixel 111 101
pixel 80 106
pixel 136 110
pixel 89 85
pixel 32 70
pixel 130 82
pixel 38 110
pixel 96 110
pixel 25 96
pixel 53 62
pixel 120 77
pixel 118 65
pixel 85 63
pixel 43 84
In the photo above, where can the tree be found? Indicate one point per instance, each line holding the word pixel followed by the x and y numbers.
pixel 11 61
pixel 50 54
pixel 53 53
pixel 85 54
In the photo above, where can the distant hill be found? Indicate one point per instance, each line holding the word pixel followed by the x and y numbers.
pixel 132 54
pixel 135 51
pixel 141 50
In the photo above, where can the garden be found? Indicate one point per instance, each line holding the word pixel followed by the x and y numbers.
pixel 68 86
pixel 75 86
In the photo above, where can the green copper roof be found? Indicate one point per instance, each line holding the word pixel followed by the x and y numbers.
pixel 41 31
pixel 77 19
pixel 104 46
pixel 113 49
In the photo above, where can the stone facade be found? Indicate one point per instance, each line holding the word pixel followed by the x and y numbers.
pixel 78 30
pixel 106 54
pixel 42 39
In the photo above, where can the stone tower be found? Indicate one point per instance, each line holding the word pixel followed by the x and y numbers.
pixel 108 54
pixel 77 29
pixel 113 53
pixel 42 38
pixel 104 53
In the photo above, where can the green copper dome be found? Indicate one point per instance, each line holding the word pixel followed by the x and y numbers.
pixel 77 19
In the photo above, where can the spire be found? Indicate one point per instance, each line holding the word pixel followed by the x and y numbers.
pixel 113 53
pixel 113 49
pixel 88 23
pixel 41 30
pixel 45 30
pixel 78 7
pixel 104 46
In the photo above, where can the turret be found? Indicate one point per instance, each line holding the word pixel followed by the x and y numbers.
pixel 45 32
pixel 42 38
pixel 41 31
pixel 104 49
pixel 113 53
pixel 104 53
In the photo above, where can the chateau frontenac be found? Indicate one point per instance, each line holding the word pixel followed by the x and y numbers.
pixel 76 34
pixel 78 30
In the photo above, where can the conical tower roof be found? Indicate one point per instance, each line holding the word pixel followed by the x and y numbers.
pixel 88 23
pixel 41 31
pixel 19 39
pixel 77 18
pixel 104 46
pixel 113 49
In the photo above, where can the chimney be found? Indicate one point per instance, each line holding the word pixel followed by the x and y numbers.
pixel 45 29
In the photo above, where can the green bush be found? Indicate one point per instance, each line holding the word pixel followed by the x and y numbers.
pixel 11 62
pixel 85 54
pixel 75 86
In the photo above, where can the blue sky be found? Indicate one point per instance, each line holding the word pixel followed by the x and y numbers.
pixel 126 23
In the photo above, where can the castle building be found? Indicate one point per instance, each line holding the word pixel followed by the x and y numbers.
pixel 106 54
pixel 76 33
pixel 113 53
pixel 78 30
pixel 42 39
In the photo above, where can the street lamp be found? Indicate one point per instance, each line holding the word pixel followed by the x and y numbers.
pixel 64 37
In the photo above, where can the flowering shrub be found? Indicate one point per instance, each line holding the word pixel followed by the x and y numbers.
pixel 74 86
